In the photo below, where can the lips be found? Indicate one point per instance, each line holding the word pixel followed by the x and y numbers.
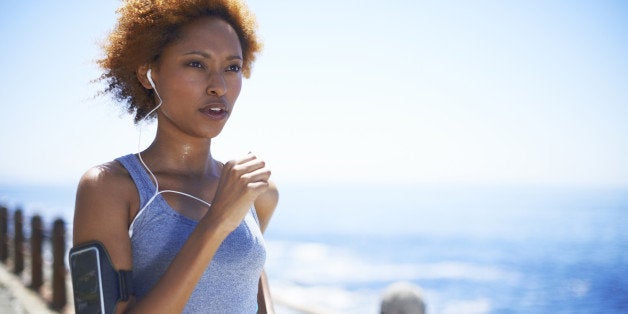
pixel 215 111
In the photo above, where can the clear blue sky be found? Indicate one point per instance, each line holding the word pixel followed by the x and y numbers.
pixel 393 91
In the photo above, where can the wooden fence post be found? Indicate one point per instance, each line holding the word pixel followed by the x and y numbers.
pixel 37 236
pixel 59 299
pixel 4 234
pixel 18 242
pixel 403 297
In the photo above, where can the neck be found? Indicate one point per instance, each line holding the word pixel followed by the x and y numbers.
pixel 186 156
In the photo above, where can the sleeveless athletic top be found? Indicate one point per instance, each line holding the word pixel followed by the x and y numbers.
pixel 228 285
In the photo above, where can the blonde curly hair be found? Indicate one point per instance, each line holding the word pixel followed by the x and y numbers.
pixel 145 27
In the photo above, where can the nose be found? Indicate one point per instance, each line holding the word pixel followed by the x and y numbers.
pixel 216 85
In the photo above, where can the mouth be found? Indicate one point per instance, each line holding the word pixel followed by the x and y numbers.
pixel 215 111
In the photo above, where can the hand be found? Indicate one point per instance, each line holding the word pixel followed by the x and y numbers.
pixel 241 182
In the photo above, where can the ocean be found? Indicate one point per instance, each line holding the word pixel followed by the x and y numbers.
pixel 334 248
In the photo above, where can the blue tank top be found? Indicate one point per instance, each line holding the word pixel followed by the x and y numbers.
pixel 228 285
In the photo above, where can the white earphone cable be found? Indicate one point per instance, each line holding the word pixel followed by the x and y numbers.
pixel 139 154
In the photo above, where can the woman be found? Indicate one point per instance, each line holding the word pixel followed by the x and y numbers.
pixel 197 247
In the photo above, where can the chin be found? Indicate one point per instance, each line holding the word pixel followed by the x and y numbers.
pixel 210 134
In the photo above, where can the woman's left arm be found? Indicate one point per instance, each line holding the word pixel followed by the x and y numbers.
pixel 265 205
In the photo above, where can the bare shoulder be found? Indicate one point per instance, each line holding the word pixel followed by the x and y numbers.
pixel 266 203
pixel 109 182
pixel 105 173
pixel 104 198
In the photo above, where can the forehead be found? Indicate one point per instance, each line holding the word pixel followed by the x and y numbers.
pixel 207 33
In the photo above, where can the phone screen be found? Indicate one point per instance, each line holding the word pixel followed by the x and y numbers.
pixel 86 280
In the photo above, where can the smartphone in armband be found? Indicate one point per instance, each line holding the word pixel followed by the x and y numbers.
pixel 97 285
pixel 87 281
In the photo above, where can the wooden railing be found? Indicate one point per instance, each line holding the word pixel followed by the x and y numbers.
pixel 16 254
pixel 14 249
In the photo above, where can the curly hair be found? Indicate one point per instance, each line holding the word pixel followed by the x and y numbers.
pixel 146 27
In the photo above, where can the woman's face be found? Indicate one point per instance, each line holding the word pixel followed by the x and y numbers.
pixel 199 78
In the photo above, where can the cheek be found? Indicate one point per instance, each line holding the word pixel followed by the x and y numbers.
pixel 180 85
pixel 235 87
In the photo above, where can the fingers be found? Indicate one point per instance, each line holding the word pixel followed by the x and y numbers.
pixel 249 170
pixel 257 188
pixel 247 158
pixel 248 166
pixel 259 174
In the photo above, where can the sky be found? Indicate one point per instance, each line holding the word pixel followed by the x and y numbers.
pixel 401 91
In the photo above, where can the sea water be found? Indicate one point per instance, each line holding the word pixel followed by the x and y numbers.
pixel 471 249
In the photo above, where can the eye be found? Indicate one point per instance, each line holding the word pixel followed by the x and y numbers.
pixel 195 64
pixel 234 68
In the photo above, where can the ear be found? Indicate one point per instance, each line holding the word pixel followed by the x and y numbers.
pixel 142 76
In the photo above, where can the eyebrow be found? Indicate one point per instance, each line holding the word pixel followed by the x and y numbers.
pixel 209 56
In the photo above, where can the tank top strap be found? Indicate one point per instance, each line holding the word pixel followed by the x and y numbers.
pixel 144 184
pixel 254 214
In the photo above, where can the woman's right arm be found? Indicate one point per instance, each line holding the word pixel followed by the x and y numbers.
pixel 104 199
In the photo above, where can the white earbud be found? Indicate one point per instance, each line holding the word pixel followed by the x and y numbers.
pixel 150 79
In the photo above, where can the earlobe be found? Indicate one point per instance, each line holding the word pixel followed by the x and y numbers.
pixel 142 76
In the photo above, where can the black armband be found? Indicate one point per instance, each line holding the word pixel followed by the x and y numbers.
pixel 97 285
